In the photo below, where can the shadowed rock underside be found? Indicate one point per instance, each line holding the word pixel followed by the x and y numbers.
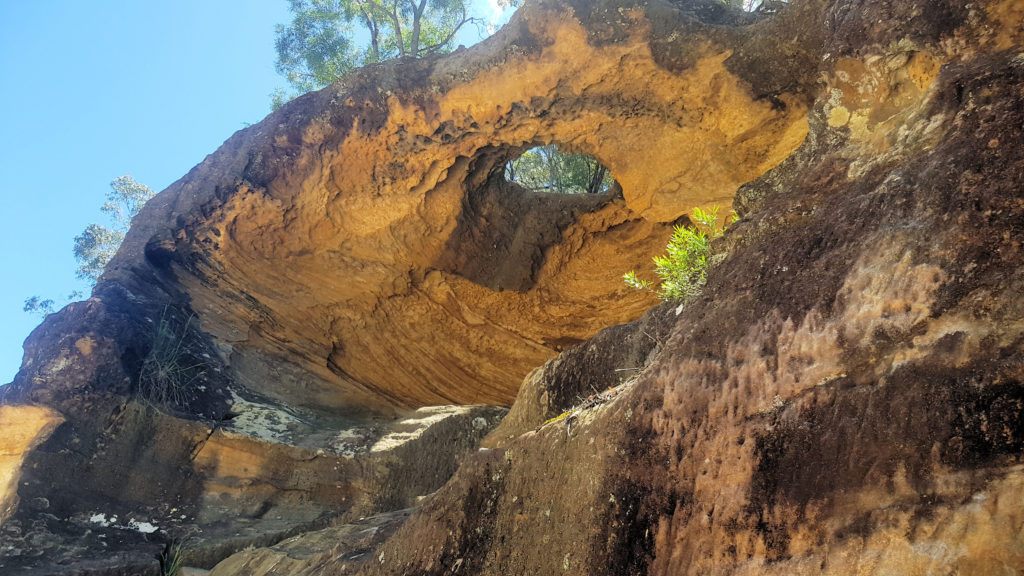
pixel 844 397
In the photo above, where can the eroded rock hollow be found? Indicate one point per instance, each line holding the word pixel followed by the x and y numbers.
pixel 362 246
pixel 345 283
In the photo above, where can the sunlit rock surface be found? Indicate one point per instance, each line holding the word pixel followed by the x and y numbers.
pixel 361 246
pixel 344 278
pixel 21 429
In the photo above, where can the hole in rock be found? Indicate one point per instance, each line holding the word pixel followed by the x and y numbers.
pixel 548 169
pixel 758 5
pixel 518 203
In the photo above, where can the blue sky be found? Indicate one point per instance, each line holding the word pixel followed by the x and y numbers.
pixel 96 89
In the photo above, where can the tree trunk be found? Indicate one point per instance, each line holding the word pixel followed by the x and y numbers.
pixel 597 178
pixel 396 23
pixel 374 29
pixel 417 21
pixel 553 168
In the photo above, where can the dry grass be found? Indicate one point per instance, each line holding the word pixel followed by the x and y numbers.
pixel 167 373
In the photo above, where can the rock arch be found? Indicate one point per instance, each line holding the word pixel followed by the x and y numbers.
pixel 344 251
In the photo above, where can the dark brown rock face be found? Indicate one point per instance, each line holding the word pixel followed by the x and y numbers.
pixel 844 397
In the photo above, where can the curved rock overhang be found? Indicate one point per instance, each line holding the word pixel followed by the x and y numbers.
pixel 360 246
pixel 844 397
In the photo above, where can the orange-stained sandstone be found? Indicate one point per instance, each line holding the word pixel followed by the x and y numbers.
pixel 22 428
pixel 364 248
pixel 844 397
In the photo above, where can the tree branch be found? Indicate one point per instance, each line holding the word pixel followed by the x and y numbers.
pixel 374 28
pixel 441 44
pixel 396 23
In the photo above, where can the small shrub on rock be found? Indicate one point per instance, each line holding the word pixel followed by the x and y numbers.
pixel 683 269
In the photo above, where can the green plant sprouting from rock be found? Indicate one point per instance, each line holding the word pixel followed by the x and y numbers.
pixel 683 268
pixel 167 372
pixel 171 559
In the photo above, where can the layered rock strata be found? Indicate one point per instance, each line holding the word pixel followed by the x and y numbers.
pixel 844 397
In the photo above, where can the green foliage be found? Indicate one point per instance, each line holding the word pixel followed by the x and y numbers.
pixel 97 244
pixel 171 559
pixel 683 269
pixel 94 247
pixel 315 48
pixel 547 169
pixel 318 46
pixel 631 279
pixel 125 199
pixel 279 97
pixel 167 374
pixel 752 5
pixel 39 306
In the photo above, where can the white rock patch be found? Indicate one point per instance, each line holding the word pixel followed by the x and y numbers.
pixel 144 527
pixel 100 519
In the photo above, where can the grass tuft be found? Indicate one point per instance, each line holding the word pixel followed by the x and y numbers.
pixel 167 374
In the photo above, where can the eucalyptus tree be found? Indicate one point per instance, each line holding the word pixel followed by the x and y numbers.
pixel 96 245
pixel 327 38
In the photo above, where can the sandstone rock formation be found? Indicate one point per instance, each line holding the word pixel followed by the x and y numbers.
pixel 845 396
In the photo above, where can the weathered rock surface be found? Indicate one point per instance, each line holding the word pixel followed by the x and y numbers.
pixel 260 477
pixel 325 248
pixel 344 549
pixel 22 428
pixel 845 397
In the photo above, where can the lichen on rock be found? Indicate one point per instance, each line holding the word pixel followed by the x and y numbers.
pixel 845 396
